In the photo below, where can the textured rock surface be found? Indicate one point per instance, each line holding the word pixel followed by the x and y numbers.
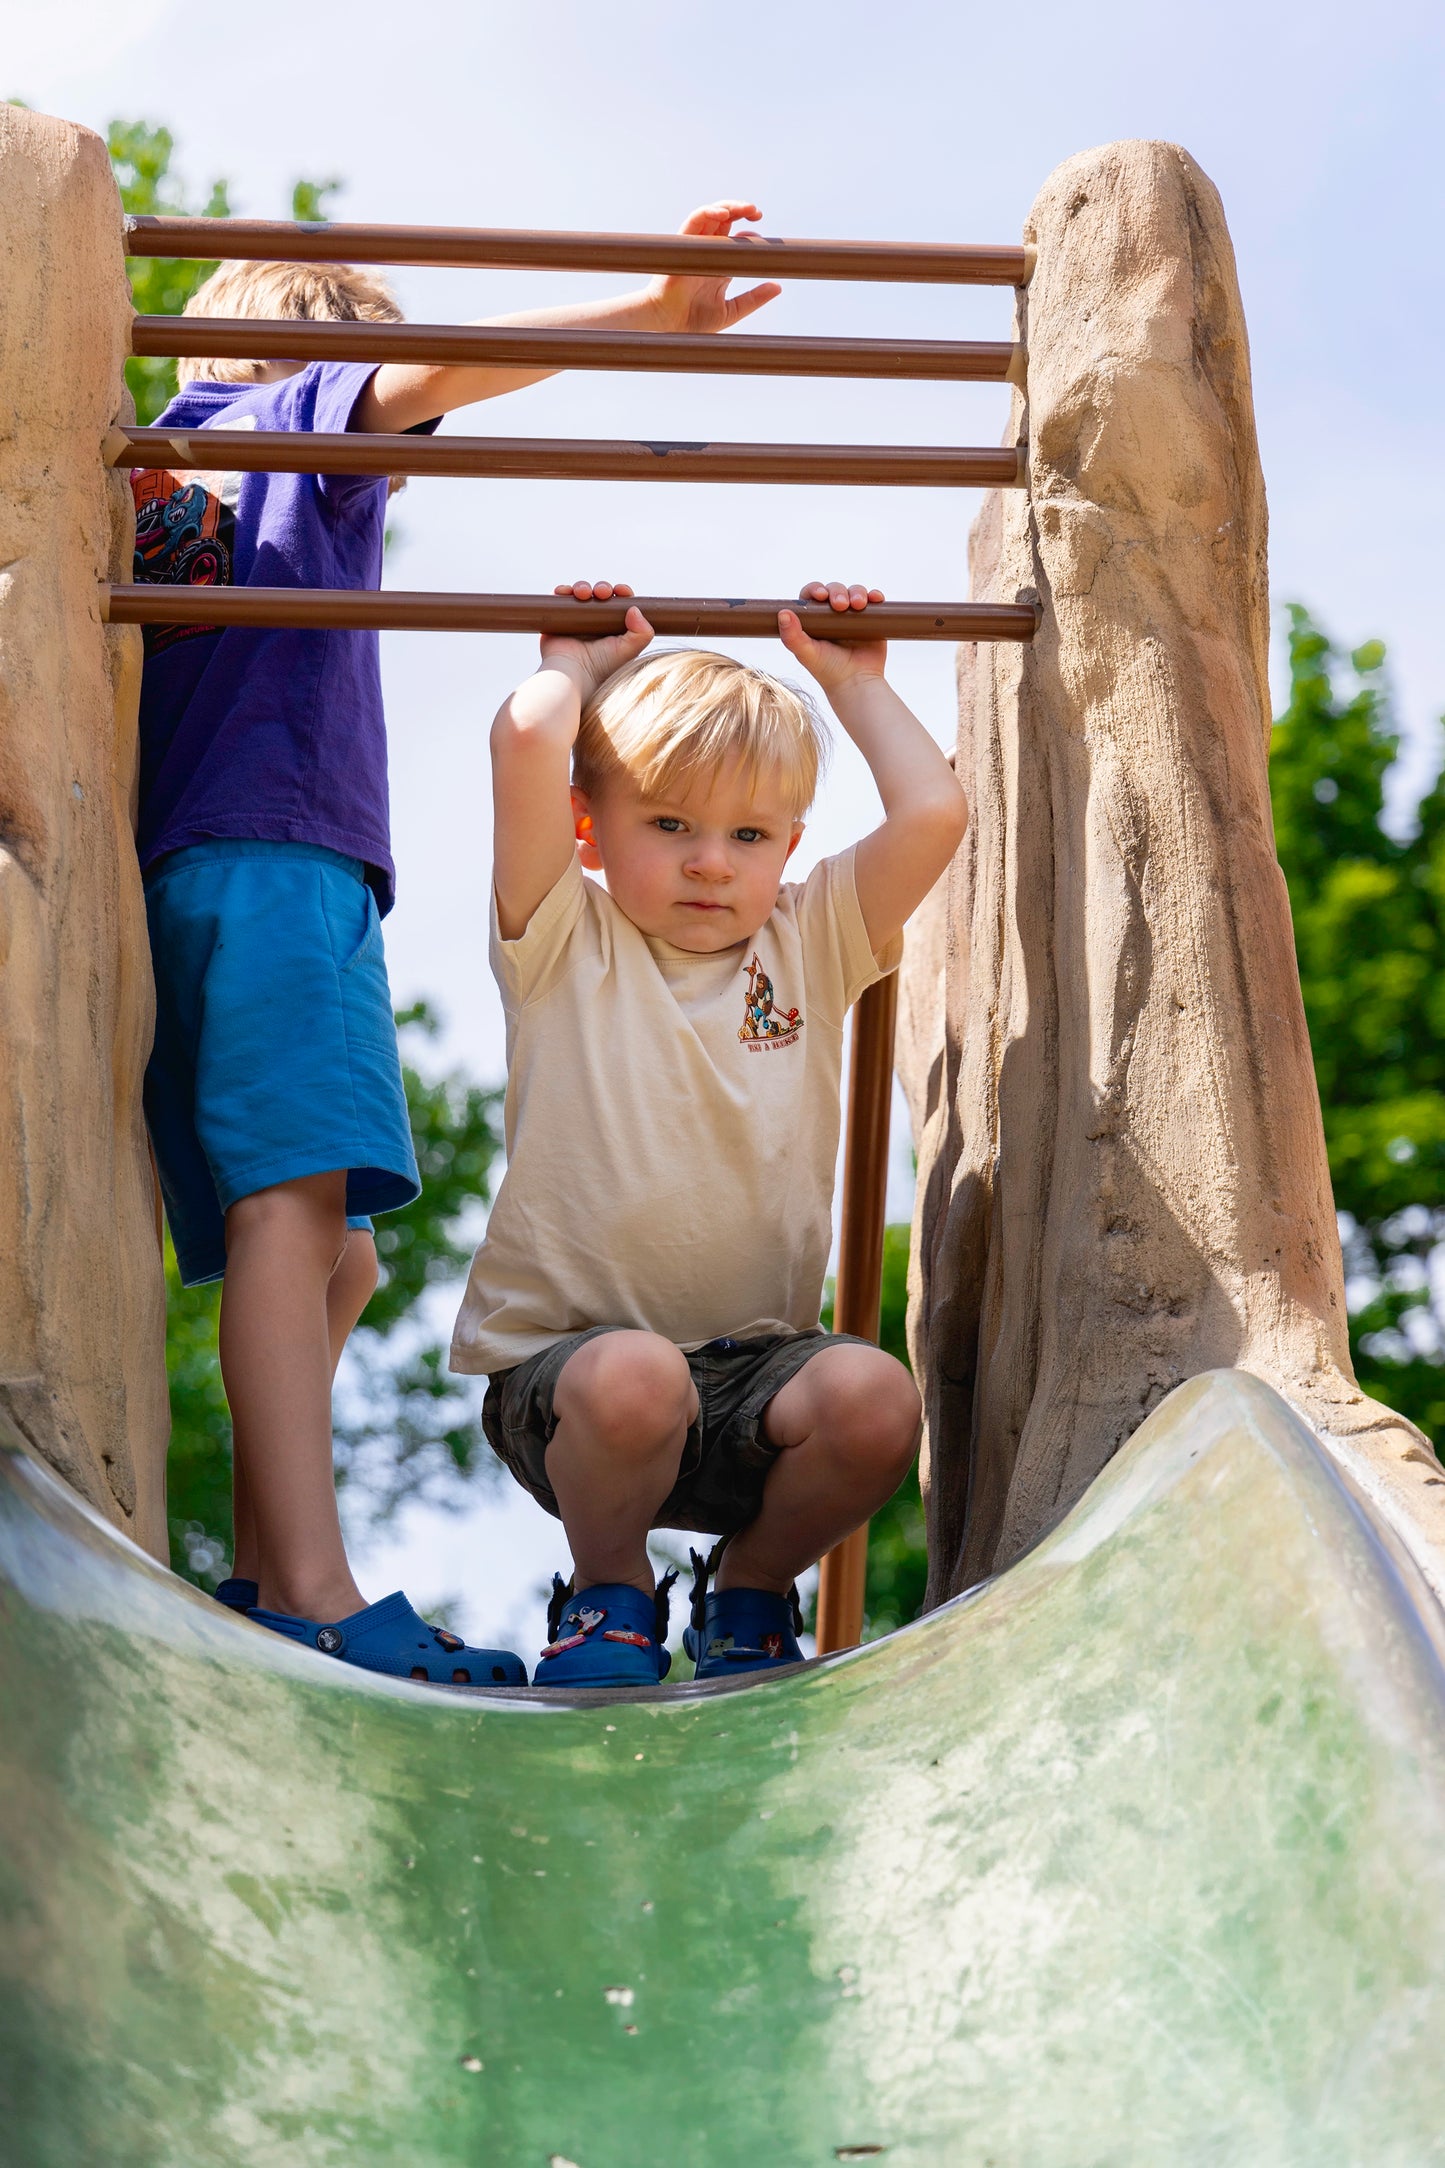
pixel 1122 1169
pixel 81 1298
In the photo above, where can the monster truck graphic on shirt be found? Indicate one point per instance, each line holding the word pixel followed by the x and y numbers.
pixel 185 531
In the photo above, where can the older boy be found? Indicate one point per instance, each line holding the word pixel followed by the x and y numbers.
pixel 646 1298
pixel 274 1094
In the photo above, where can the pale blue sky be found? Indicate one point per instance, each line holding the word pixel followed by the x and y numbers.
pixel 1321 125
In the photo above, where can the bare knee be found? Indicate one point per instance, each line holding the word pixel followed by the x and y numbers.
pixel 356 1272
pixel 865 1404
pixel 306 1217
pixel 632 1391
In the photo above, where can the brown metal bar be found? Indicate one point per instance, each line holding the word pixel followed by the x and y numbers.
pixel 759 256
pixel 675 616
pixel 284 451
pixel 509 346
pixel 842 1577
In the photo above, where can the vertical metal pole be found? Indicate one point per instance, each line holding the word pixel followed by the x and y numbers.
pixel 860 1268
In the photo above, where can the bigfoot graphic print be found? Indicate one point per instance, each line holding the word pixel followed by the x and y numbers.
pixel 185 534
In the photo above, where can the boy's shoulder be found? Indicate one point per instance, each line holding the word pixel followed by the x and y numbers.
pixel 322 396
pixel 814 904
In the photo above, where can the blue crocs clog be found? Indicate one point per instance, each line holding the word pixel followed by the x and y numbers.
pixel 392 1638
pixel 610 1635
pixel 734 1630
pixel 237 1595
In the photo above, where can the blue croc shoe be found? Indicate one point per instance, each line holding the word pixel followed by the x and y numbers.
pixel 610 1635
pixel 237 1595
pixel 392 1638
pixel 740 1629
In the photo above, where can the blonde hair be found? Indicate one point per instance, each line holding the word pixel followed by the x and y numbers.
pixel 332 293
pixel 671 716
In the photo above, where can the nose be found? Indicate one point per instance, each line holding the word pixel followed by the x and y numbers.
pixel 709 860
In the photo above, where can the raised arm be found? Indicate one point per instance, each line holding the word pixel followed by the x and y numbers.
pixel 925 811
pixel 534 834
pixel 400 395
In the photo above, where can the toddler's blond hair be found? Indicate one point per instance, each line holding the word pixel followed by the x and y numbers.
pixel 324 292
pixel 668 718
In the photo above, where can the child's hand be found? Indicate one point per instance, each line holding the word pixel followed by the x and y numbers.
pixel 832 663
pixel 697 304
pixel 589 662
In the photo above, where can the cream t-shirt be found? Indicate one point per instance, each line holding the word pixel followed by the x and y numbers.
pixel 671 1123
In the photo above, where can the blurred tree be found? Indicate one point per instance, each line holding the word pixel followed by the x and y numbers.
pixel 140 157
pixel 1369 920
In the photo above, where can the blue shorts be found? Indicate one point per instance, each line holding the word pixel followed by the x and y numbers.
pixel 275 1051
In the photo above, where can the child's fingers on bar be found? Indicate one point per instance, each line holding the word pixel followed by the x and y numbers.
pixel 840 596
pixel 595 590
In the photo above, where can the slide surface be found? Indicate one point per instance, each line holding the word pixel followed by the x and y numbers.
pixel 1135 1856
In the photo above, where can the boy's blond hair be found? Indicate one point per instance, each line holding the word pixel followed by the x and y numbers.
pixel 668 718
pixel 325 292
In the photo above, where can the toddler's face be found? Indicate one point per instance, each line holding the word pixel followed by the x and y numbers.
pixel 701 871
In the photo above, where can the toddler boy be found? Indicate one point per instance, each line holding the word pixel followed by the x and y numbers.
pixel 646 1298
pixel 274 1093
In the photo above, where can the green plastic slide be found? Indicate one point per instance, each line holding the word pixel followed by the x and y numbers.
pixel 1135 1856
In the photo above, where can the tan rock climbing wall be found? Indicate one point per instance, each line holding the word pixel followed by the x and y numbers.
pixel 1122 1168
pixel 81 1296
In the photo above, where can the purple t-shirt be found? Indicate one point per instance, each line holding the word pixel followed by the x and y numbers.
pixel 272 733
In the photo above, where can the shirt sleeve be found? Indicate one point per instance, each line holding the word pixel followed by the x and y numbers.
pixel 533 963
pixel 837 956
pixel 324 397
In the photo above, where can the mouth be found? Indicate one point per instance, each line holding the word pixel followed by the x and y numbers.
pixel 692 903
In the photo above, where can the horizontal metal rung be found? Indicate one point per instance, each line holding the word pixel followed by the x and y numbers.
pixel 487 346
pixel 281 451
pixel 700 255
pixel 685 617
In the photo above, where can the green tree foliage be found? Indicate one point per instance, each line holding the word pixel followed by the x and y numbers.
pixel 406 1427
pixel 140 158
pixel 1369 920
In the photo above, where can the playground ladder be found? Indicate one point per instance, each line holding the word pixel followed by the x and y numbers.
pixel 865 1161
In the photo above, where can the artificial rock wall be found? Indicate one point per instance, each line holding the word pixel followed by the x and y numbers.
pixel 1122 1174
pixel 82 1368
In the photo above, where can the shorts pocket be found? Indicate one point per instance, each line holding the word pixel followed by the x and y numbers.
pixel 352 920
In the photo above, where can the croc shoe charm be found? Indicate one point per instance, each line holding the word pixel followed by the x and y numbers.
pixel 610 1635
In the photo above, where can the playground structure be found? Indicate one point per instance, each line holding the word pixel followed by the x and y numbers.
pixel 1133 1853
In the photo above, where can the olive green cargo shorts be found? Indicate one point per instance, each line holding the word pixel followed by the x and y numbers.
pixel 725 1456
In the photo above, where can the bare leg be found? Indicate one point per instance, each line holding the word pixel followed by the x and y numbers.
pixel 847 1424
pixel 623 1404
pixel 349 1290
pixel 282 1248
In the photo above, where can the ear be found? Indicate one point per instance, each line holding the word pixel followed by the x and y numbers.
pixel 794 840
pixel 587 849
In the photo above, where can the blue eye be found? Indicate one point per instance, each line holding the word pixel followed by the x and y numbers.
pixel 748 835
pixel 668 825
